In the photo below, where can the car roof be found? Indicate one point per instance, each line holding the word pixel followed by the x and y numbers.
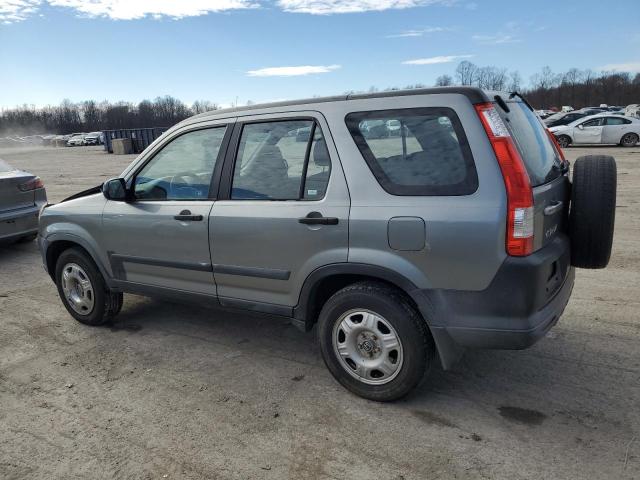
pixel 476 95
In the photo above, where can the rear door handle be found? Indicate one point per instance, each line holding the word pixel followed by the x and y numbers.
pixel 185 216
pixel 553 208
pixel 316 218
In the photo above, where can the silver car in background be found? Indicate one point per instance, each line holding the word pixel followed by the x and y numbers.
pixel 599 129
pixel 22 195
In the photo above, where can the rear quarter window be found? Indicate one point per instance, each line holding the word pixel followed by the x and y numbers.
pixel 417 151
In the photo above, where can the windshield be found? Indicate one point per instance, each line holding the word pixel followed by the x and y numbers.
pixel 535 147
pixel 555 116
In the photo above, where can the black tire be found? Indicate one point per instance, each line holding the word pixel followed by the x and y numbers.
pixel 593 209
pixel 564 141
pixel 416 342
pixel 106 305
pixel 629 140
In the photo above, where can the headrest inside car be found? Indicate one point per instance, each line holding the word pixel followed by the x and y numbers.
pixel 321 154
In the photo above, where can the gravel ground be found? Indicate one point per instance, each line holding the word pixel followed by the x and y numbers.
pixel 182 391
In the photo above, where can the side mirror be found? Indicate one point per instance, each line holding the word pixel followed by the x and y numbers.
pixel 116 190
pixel 581 127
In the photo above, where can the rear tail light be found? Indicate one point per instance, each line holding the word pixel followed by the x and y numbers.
pixel 32 184
pixel 520 216
pixel 554 140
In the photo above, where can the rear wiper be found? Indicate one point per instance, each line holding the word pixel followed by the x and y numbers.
pixel 524 100
pixel 502 103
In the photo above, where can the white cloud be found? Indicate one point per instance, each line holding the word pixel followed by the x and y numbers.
pixel 292 71
pixel 328 7
pixel 435 60
pixel 134 9
pixel 419 33
pixel 12 11
pixel 621 67
pixel 495 39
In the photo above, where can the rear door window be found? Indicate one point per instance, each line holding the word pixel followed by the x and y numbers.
pixel 281 160
pixel 418 151
pixel 538 153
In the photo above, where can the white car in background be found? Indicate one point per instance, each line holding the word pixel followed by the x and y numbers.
pixel 599 129
pixel 76 140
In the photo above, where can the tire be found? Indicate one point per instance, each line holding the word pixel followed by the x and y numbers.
pixel 564 141
pixel 384 312
pixel 593 209
pixel 101 305
pixel 629 140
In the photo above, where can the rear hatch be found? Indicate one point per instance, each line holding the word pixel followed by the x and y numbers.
pixel 550 184
pixel 11 196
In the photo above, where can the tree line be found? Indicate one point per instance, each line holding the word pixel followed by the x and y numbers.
pixel 546 89
pixel 88 116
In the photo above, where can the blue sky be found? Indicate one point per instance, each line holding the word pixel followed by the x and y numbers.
pixel 223 50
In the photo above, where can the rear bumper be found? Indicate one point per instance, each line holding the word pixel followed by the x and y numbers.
pixel 523 302
pixel 19 223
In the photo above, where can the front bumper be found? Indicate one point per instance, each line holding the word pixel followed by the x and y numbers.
pixel 523 302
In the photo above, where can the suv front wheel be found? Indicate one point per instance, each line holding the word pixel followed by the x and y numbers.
pixel 374 341
pixel 83 290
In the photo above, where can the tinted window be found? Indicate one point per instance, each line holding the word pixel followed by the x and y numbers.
pixel 182 170
pixel 420 151
pixel 596 122
pixel 616 121
pixel 535 147
pixel 274 157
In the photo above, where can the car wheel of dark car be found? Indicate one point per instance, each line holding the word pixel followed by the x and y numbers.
pixel 629 140
pixel 83 290
pixel 593 208
pixel 564 141
pixel 374 342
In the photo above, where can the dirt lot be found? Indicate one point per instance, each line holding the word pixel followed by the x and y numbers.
pixel 175 391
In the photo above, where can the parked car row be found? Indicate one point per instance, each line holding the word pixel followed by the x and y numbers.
pixel 83 139
pixel 69 140
pixel 566 109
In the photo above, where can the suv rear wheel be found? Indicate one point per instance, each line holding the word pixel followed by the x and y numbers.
pixel 83 290
pixel 374 342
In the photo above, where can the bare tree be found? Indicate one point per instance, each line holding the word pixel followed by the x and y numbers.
pixel 515 81
pixel 466 73
pixel 201 106
pixel 444 81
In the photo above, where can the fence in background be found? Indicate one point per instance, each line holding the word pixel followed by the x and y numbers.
pixel 141 138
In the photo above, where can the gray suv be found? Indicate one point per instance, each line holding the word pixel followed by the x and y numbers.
pixel 407 225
